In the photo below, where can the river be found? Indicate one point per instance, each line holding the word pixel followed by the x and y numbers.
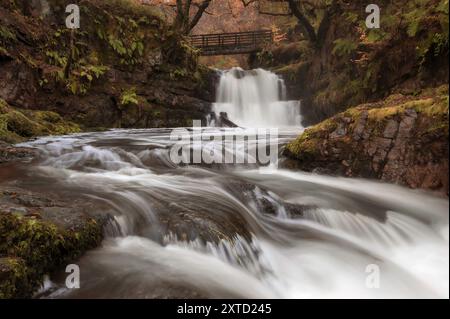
pixel 246 230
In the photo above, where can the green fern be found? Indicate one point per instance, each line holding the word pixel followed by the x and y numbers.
pixel 129 97
pixel 344 47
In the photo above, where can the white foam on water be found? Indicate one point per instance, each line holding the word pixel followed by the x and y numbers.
pixel 344 226
pixel 256 98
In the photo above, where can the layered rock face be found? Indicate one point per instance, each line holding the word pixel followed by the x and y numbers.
pixel 403 140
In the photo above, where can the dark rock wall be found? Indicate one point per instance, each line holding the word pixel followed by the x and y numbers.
pixel 121 48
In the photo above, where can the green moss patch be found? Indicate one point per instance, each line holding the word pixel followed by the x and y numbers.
pixel 13 277
pixel 17 125
pixel 31 248
pixel 431 107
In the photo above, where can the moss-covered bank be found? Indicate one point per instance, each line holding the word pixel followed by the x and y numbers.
pixel 17 125
pixel 31 248
pixel 124 67
pixel 402 139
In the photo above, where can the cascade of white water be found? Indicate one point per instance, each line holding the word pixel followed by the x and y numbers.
pixel 283 234
pixel 256 98
pixel 246 231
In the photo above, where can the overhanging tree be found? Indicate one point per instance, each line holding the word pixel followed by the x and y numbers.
pixel 305 11
pixel 187 12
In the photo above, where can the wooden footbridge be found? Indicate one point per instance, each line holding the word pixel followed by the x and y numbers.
pixel 232 43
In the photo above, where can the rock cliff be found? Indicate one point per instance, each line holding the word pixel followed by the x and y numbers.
pixel 125 67
pixel 402 139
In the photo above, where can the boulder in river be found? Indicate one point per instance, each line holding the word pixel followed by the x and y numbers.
pixel 40 234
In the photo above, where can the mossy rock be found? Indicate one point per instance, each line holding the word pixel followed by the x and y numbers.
pixel 402 139
pixel 308 143
pixel 18 125
pixel 48 116
pixel 4 107
pixel 31 248
pixel 13 277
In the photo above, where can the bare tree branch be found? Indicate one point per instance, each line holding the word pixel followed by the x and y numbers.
pixel 201 9
pixel 301 9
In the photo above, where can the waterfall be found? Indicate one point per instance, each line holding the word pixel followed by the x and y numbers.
pixel 255 98
pixel 245 230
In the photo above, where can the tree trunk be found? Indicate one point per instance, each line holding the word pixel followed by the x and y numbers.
pixel 71 57
pixel 309 29
pixel 325 24
pixel 201 9
pixel 183 22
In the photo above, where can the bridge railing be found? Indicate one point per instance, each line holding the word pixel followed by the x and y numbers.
pixel 231 43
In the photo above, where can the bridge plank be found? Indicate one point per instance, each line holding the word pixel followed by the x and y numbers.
pixel 231 43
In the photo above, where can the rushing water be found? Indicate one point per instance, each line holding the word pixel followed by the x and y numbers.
pixel 285 234
pixel 247 231
pixel 256 98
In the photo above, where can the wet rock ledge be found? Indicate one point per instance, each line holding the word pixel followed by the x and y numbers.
pixel 9 153
pixel 40 234
pixel 402 139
